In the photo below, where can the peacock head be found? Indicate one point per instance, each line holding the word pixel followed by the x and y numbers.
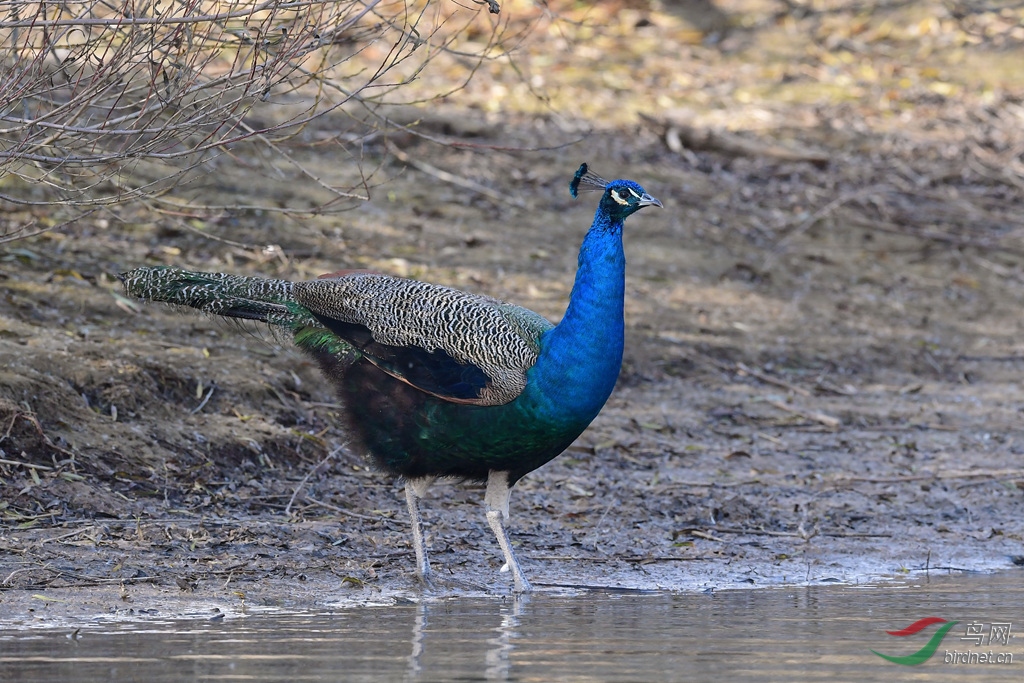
pixel 621 198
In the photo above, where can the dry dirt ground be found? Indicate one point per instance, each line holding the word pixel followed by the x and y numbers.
pixel 824 363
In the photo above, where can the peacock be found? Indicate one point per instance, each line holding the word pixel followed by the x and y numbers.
pixel 438 382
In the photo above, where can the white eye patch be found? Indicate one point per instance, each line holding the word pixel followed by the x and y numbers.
pixel 620 199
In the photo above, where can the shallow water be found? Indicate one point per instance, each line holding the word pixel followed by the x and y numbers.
pixel 792 634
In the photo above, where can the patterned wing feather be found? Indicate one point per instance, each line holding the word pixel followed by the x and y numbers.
pixel 458 346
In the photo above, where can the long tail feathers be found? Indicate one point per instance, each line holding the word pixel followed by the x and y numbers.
pixel 250 298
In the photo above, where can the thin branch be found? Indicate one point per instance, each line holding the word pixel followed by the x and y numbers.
pixel 91 89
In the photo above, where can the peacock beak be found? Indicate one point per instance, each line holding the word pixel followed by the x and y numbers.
pixel 648 200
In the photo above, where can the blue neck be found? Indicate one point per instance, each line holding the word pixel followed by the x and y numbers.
pixel 581 357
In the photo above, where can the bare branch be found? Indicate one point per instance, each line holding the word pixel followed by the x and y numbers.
pixel 108 102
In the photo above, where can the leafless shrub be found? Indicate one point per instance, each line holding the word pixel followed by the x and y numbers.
pixel 107 102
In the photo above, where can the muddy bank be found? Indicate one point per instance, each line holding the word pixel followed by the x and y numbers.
pixel 822 377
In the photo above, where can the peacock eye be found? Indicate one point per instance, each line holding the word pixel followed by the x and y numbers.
pixel 619 199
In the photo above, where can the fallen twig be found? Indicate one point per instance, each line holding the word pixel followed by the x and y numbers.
pixel 17 463
pixel 680 136
pixel 827 420
pixel 313 470
pixel 343 511
pixel 205 399
pixel 717 484
pixel 743 369
pixel 452 178
pixel 70 534
pixel 955 474
pixel 808 222
pixel 30 417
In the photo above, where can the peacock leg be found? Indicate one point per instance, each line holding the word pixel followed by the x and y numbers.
pixel 496 500
pixel 414 490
